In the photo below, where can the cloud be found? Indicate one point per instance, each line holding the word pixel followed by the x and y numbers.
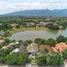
pixel 6 7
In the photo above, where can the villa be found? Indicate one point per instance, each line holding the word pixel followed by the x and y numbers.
pixel 32 49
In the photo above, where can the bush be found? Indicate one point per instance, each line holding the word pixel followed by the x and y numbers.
pixel 65 54
pixel 39 41
pixel 51 42
pixel 5 52
pixel 41 59
pixel 60 38
pixel 17 59
pixel 54 59
pixel 27 42
pixel 2 60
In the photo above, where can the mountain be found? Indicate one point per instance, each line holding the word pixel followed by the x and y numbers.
pixel 46 12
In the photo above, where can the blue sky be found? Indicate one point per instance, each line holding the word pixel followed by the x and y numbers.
pixel 7 6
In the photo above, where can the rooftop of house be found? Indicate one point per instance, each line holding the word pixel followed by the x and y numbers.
pixel 6 47
pixel 15 50
pixel 42 47
pixel 32 46
pixel 54 49
pixel 12 25
pixel 2 41
pixel 61 46
pixel 22 48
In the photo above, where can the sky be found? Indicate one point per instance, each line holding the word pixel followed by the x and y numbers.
pixel 7 6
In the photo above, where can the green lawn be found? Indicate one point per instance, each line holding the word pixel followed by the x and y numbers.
pixel 25 29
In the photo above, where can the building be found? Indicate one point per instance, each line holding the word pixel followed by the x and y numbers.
pixel 61 46
pixel 32 49
pixel 43 47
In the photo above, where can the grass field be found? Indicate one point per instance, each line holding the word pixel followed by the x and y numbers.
pixel 26 29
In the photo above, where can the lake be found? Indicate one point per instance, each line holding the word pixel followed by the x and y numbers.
pixel 31 35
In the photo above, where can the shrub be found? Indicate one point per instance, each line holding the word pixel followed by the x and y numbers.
pixel 54 59
pixel 60 38
pixel 17 58
pixel 65 54
pixel 41 59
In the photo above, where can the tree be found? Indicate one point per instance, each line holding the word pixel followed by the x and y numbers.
pixel 54 58
pixel 50 42
pixel 41 59
pixel 65 54
pixel 5 52
pixel 39 41
pixel 46 50
pixel 7 41
pixel 27 42
pixel 52 26
pixel 17 58
pixel 18 26
pixel 6 34
pixel 2 54
pixel 60 38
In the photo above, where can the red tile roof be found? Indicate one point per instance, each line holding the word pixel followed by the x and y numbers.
pixel 42 47
pixel 12 25
pixel 54 49
pixel 61 46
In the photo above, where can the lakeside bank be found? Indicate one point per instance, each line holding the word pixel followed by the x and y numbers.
pixel 26 29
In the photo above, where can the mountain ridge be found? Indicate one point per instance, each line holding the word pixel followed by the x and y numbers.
pixel 45 12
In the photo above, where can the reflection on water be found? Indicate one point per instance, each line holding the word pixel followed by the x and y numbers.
pixel 45 34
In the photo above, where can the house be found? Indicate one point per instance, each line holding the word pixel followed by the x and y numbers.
pixel 32 49
pixel 43 47
pixel 54 49
pixel 2 41
pixel 41 24
pixel 15 51
pixel 61 46
pixel 30 23
pixel 6 47
pixel 16 43
pixel 60 27
pixel 22 48
pixel 13 25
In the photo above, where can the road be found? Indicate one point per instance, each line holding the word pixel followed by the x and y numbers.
pixel 26 66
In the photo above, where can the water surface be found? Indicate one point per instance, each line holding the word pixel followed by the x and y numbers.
pixel 45 34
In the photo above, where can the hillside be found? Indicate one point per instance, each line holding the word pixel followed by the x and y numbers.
pixel 45 12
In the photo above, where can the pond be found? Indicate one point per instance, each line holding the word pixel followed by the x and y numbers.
pixel 31 35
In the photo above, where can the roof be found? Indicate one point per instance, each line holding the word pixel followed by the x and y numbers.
pixel 61 46
pixel 12 44
pixel 17 42
pixel 6 47
pixel 12 25
pixel 32 47
pixel 60 27
pixel 15 50
pixel 2 41
pixel 54 49
pixel 22 48
pixel 42 47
